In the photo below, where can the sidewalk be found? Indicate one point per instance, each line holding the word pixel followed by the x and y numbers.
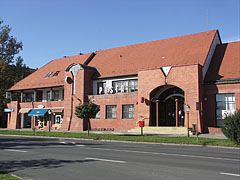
pixel 214 136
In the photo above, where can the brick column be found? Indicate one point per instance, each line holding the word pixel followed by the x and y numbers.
pixel 157 114
pixel 176 100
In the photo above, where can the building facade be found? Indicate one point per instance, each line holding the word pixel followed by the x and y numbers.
pixel 154 81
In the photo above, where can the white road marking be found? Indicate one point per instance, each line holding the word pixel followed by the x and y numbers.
pixel 105 160
pixel 66 146
pixel 63 142
pixel 168 154
pixel 230 174
pixel 15 150
pixel 72 143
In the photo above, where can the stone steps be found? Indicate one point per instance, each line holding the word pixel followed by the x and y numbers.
pixel 161 130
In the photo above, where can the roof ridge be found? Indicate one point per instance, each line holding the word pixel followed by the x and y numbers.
pixel 148 42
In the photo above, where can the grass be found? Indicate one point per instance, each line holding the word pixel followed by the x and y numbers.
pixel 132 138
pixel 7 177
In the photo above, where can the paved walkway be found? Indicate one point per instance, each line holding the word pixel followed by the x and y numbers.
pixel 217 136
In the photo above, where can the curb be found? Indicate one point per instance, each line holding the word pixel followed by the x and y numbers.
pixel 135 142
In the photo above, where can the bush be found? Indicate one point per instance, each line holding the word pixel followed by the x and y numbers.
pixel 231 127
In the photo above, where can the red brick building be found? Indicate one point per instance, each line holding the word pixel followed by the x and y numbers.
pixel 153 81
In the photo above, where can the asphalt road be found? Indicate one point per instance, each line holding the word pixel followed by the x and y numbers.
pixel 68 159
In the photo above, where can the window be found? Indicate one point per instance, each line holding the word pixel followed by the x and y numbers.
pixel 225 105
pixel 125 86
pixel 111 112
pixel 98 114
pixel 101 88
pixel 58 119
pixel 48 95
pixel 56 94
pixel 128 111
pixel 55 74
pixel 28 97
pixel 115 87
pixel 48 75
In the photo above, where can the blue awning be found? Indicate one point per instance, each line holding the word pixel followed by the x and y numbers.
pixel 38 112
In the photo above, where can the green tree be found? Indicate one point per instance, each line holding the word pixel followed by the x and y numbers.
pixel 87 110
pixel 12 68
pixel 231 127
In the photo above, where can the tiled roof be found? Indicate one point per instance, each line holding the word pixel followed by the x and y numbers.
pixel 127 60
pixel 38 80
pixel 225 63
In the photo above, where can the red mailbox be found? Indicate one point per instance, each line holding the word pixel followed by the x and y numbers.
pixel 141 123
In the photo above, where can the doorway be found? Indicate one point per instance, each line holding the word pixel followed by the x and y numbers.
pixel 167 106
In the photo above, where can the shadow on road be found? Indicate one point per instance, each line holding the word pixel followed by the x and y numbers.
pixel 11 166
pixel 30 143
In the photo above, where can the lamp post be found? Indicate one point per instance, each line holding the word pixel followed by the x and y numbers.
pixel 188 110
pixel 197 109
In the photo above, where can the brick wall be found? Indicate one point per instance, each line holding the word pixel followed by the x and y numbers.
pixel 209 108
pixel 13 118
pixel 83 86
pixel 115 99
pixel 214 130
pixel 188 78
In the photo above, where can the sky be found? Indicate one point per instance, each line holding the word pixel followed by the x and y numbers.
pixel 51 29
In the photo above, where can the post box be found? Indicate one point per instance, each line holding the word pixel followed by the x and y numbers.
pixel 141 123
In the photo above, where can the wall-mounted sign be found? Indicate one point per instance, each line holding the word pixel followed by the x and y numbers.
pixel 40 106
pixel 166 70
pixel 120 86
pixel 8 110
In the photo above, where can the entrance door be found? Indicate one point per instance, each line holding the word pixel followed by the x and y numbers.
pixel 167 106
pixel 26 121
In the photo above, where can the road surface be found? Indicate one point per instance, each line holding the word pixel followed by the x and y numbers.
pixel 70 159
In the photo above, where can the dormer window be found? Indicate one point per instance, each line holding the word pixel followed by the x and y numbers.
pixel 48 75
pixel 55 74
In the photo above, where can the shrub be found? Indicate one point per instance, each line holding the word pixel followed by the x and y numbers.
pixel 231 127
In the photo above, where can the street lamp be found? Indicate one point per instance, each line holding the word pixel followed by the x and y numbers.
pixel 188 110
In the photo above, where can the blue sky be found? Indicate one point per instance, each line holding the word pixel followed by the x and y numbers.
pixel 51 29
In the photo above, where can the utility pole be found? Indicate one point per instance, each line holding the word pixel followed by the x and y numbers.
pixel 197 109
pixel 188 110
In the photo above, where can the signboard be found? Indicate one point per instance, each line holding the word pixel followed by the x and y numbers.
pixel 8 110
pixel 40 106
pixel 166 70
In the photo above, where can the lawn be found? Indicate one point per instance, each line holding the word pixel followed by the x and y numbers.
pixel 7 177
pixel 132 138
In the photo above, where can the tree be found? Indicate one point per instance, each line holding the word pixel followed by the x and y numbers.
pixel 87 110
pixel 12 68
pixel 231 127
